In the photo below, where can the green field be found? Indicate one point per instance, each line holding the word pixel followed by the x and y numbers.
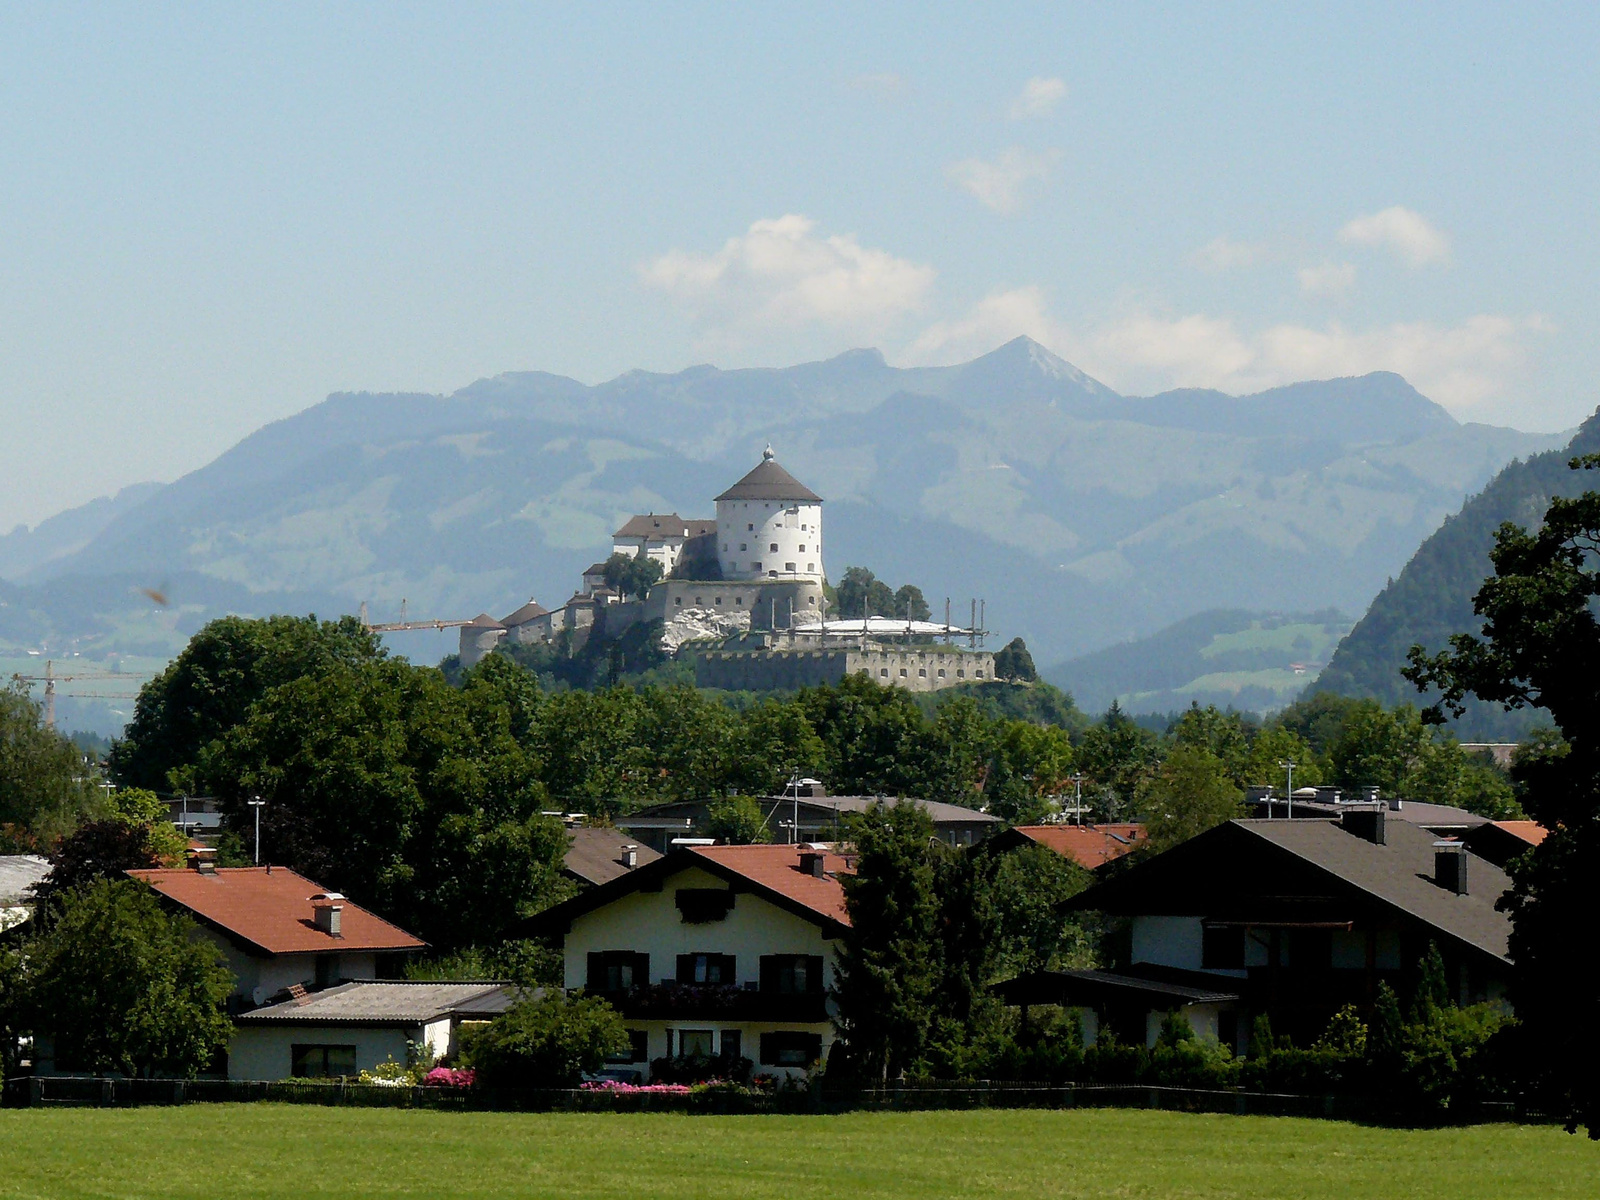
pixel 302 1151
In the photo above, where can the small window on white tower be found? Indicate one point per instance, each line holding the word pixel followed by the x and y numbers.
pixel 773 547
pixel 749 527
pixel 743 546
pixel 802 548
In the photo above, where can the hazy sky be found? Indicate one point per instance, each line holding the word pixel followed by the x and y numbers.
pixel 211 217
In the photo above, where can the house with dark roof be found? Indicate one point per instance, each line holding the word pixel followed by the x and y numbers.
pixel 1293 919
pixel 277 929
pixel 711 951
pixel 598 855
pixel 805 818
pixel 358 1026
pixel 1090 846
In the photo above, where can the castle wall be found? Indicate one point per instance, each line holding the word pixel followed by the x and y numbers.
pixel 767 601
pixel 915 668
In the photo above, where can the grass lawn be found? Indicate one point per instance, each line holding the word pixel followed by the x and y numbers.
pixel 263 1150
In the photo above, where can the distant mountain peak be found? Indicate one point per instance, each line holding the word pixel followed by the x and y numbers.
pixel 1024 361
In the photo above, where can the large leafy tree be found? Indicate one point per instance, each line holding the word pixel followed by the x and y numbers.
pixel 121 985
pixel 871 736
pixel 1187 794
pixel 45 787
pixel 1116 755
pixel 1540 646
pixel 887 967
pixel 210 687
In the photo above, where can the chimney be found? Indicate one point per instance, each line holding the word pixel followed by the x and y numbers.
pixel 1450 866
pixel 203 859
pixel 1364 821
pixel 811 863
pixel 630 857
pixel 325 910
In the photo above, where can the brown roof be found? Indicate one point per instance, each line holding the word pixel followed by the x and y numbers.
pixel 1089 846
pixel 386 1002
pixel 531 611
pixel 769 481
pixel 484 621
pixel 1529 831
pixel 657 525
pixel 268 909
pixel 595 855
pixel 777 869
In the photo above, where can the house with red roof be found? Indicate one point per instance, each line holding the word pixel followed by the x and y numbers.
pixel 277 929
pixel 712 951
pixel 1090 846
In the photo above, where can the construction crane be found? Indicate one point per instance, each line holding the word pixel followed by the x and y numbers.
pixel 402 624
pixel 50 679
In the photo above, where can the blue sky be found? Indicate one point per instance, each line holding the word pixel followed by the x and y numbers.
pixel 213 216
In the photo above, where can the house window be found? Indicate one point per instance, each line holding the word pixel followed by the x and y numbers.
pixel 883 672
pixel 744 546
pixel 638 1048
pixel 811 600
pixel 614 971
pixel 902 672
pixel 739 600
pixel 978 673
pixel 941 672
pixel 327 970
pixel 960 674
pixel 719 601
pixel 732 1043
pixel 1222 949
pixel 698 601
pixel 750 528
pixel 700 906
pixel 790 1048
pixel 812 567
pixel 922 672
pixel 694 1043
pixel 789 567
pixel 322 1062
pixel 678 600
pixel 792 974
pixel 755 566
pixel 802 548
pixel 725 547
pixel 773 546
pixel 707 969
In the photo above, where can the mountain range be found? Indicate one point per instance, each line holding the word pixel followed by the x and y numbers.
pixel 1082 517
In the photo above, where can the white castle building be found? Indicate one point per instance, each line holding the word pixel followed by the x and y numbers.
pixel 769 526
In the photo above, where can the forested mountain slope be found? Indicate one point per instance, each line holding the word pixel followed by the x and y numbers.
pixel 1431 598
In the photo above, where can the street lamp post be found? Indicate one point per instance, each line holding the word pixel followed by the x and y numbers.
pixel 1077 797
pixel 1288 765
pixel 257 803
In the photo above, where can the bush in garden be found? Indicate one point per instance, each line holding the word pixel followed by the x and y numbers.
pixel 700 1068
pixel 549 1042
pixel 1180 1059
pixel 1112 1061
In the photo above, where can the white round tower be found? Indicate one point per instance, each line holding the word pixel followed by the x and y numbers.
pixel 769 526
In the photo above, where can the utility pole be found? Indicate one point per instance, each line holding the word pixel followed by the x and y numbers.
pixel 256 802
pixel 1077 801
pixel 1288 765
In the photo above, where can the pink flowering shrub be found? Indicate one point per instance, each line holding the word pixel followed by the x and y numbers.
pixel 612 1087
pixel 454 1077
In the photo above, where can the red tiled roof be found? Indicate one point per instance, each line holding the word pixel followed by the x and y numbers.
pixel 777 869
pixel 1529 831
pixel 270 909
pixel 1089 846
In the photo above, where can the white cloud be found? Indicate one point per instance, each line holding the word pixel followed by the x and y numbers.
pixel 1408 234
pixel 1223 254
pixel 780 273
pixel 1466 367
pixel 1003 183
pixel 1329 279
pixel 1039 96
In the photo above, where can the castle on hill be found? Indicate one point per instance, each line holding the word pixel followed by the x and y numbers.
pixel 751 579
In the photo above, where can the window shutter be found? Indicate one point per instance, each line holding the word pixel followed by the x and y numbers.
pixel 814 974
pixel 686 968
pixel 597 972
pixel 769 983
pixel 730 972
pixel 641 970
pixel 769 1045
pixel 813 1047
pixel 639 1039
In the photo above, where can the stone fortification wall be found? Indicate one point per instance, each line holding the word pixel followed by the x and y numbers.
pixel 915 668
pixel 768 603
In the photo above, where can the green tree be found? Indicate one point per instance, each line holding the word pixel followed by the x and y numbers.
pixel 1188 794
pixel 46 789
pixel 1272 747
pixel 1029 888
pixel 1540 647
pixel 910 603
pixel 956 754
pixel 737 821
pixel 1030 766
pixel 209 688
pixel 120 985
pixel 887 967
pixel 773 743
pixel 93 851
pixel 548 1042
pixel 1228 736
pixel 633 575
pixel 871 736
pixel 1012 661
pixel 1117 755
pixel 861 593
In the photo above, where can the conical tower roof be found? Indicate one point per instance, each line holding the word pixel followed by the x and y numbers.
pixel 769 481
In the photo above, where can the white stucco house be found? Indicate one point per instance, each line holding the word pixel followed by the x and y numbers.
pixel 712 951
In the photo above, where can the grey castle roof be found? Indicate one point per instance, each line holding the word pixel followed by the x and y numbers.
pixel 769 481
pixel 531 611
